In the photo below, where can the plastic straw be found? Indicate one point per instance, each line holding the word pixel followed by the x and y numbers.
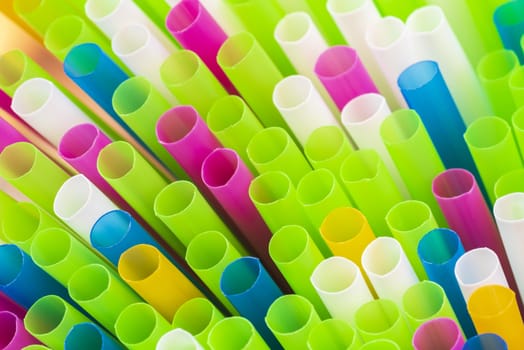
pixel 16 67
pixel 483 18
pixel 10 135
pixel 88 336
pixel 39 15
pixel 191 81
pixel 509 183
pixel 486 341
pixel 366 178
pixel 222 14
pixel 438 333
pixel 7 304
pixel 380 344
pixel 236 332
pixel 14 336
pixel 248 286
pixel 516 85
pixel 156 279
pixel 324 21
pixel 341 287
pixel 178 339
pixel 510 26
pixel 333 334
pixel 296 256
pixel 139 327
pixel 402 11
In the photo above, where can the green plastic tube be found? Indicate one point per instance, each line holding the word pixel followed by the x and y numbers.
pixel 5 202
pixel 494 150
pixel 409 221
pixel 333 334
pixel 398 9
pixel 30 171
pixel 235 333
pixel 509 183
pixel 36 347
pixel 291 318
pixel 197 316
pixel 140 106
pixel 50 318
pixel 234 124
pixel 371 187
pixel 276 200
pixel 244 61
pixel 139 326
pixel 325 22
pixel 414 155
pixel 40 14
pixel 494 71
pixel 517 122
pixel 137 182
pixel 381 319
pixel 516 86
pixel 191 81
pixel 273 149
pixel 208 254
pixel 319 192
pixel 482 13
pixel 297 256
pixel 101 293
pixel 380 344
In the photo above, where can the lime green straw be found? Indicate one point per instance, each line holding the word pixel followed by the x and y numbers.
pixel 36 347
pixel 509 183
pixel 380 344
pixel 235 333
pixel 16 67
pixel 398 9
pixel 325 22
pixel 494 151
pixel 482 12
pixel 297 256
pixel 333 334
pixel 516 86
pixel 191 81
pixel 517 122
pixel 5 202
pixel 49 320
pixel 40 14
pixel 197 316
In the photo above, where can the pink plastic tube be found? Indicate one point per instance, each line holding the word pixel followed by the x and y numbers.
pixel 195 29
pixel 438 333
pixel 9 134
pixel 343 75
pixel 13 335
pixel 6 304
pixel 5 102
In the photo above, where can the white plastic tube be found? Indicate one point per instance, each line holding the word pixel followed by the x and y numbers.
pixel 509 214
pixel 302 107
pixel 178 339
pixel 388 268
pixel 341 287
pixel 476 268
pixel 46 109
pixel 79 203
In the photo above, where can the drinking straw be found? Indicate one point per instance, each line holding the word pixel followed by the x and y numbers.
pixel 366 178
pixel 14 336
pixel 380 344
pixel 291 318
pixel 79 203
pixel 439 251
pixel 236 333
pixel 319 193
pixel 117 231
pixel 7 304
pixel 494 71
pixel 509 183
pixel 125 170
pixel 197 316
pixel 208 254
pixel 273 149
pixel 333 334
pixel 342 73
pixel 195 29
pixel 89 336
pixel 222 14
pixel 178 339
pixel 244 60
pixel 46 109
pixel 341 287
pixel 325 22
pixel 191 81
pixel 39 15
pixel 302 106
pixel 424 79
pixel 494 309
pixel 36 347
pixel 10 135
pixel 485 26
pixel 381 319
pixel 101 293
pixel 438 333
pixel 516 86
pixel 296 256
pixel 31 172
pixel 16 67
pixel 517 122
pixel 157 11
pixel 234 124
pixel 144 54
pixel 139 327
pixel 152 276
pixel 402 11
pixel 276 200
pixel 486 341
pixel 50 318
pixel 510 26
pixel 260 18
pixel 185 135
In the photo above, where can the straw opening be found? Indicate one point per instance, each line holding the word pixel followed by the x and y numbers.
pixel 84 336
pixel 231 333
pixel 510 207
pixel 293 27
pixel 342 225
pixel 175 198
pixel 408 215
pixel 476 265
pixel 12 67
pixel 491 300
pixel 377 316
pixel 131 95
pixel 135 323
pixel 225 113
pixel 138 263
pixel 12 261
pixel 362 108
pixel 316 186
pixel 324 143
pixel 288 314
pixel 176 124
pixel 78 141
pixel 117 222
pixel 453 183
pixel 116 160
pixel 235 49
pixel 182 16
pixel 361 165
pixel 270 187
pixel 508 13
pixel 88 283
pixel 249 268
pixel 267 145
pixel 439 333
pixel 130 39
pixel 45 315
pixel 32 96
pixel 63 33
pixel 432 296
pixel 497 65
pixel 288 244
pixel 51 246
pixel 82 60
pixel 417 75
pixel 8 325
pixel 334 275
pixel 97 10
pixel 180 67
pixel 194 316
pixel 384 34
pixel 22 221
pixel 381 256
pixel 292 92
pixel 487 132
pixel 400 126
pixel 72 197
pixel 438 246
pixel 206 250
pixel 336 61
pixel 219 167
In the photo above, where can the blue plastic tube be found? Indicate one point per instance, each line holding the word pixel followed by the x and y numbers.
pixel 509 21
pixel 486 341
pixel 89 336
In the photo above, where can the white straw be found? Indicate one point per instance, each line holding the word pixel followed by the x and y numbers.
pixel 178 339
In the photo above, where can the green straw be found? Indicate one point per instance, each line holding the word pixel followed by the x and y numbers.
pixel 516 86
pixel 517 122
pixel 398 9
pixel 509 183
pixel 16 67
pixel 494 151
pixel 482 12
pixel 414 155
pixel 273 149
pixel 235 333
pixel 49 320
pixel 40 14
pixel 380 344
pixel 31 172
pixel 191 81
pixel 333 334
pixel 5 202
pixel 36 347
pixel 297 256
pixel 197 316
pixel 325 22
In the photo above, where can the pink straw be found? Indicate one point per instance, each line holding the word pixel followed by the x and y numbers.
pixel 438 333
pixel 7 304
pixel 9 135
pixel 13 335
pixel 343 75
pixel 196 30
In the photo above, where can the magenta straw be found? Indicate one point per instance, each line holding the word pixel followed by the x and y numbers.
pixel 13 335
pixel 343 75
pixel 438 333
pixel 196 30
pixel 9 135
pixel 7 304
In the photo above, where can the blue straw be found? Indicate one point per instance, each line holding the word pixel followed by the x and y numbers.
pixel 509 21
pixel 89 336
pixel 486 341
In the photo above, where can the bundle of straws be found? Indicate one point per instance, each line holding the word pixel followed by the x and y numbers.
pixel 261 174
